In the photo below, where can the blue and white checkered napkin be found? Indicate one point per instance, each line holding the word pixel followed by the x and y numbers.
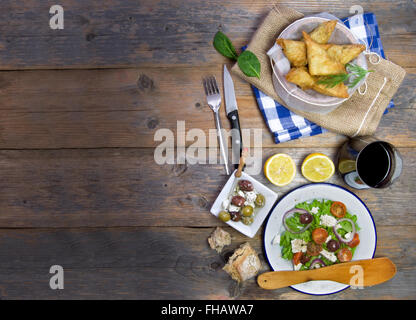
pixel 287 125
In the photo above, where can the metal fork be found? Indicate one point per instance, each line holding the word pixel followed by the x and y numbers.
pixel 214 101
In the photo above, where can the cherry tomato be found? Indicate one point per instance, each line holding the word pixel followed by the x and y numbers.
pixel 296 257
pixel 319 235
pixel 355 241
pixel 344 255
pixel 313 249
pixel 338 209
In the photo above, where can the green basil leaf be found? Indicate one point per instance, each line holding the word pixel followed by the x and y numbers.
pixel 224 46
pixel 249 64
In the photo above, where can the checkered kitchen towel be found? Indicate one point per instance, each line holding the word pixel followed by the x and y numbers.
pixel 286 125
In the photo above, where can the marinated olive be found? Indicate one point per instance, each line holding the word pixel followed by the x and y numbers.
pixel 332 245
pixel 224 216
pixel 247 220
pixel 235 216
pixel 247 211
pixel 245 185
pixel 260 201
pixel 305 218
pixel 238 201
pixel 305 258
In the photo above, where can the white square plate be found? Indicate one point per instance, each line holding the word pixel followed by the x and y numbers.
pixel 270 196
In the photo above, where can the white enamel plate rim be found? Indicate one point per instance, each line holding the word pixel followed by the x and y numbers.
pixel 355 205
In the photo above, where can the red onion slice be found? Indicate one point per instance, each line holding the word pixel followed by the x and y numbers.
pixel 341 238
pixel 315 262
pixel 293 211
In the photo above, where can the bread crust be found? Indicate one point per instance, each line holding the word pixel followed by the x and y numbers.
pixel 243 264
pixel 219 239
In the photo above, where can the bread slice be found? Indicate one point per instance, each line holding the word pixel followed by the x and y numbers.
pixel 243 264
pixel 219 239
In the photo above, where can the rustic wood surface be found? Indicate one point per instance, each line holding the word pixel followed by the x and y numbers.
pixel 79 109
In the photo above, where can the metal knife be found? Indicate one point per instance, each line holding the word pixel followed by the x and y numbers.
pixel 232 114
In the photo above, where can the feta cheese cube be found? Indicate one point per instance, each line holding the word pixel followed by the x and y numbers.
pixel 233 208
pixel 225 204
pixel 327 239
pixel 249 204
pixel 329 255
pixel 276 239
pixel 298 245
pixel 328 221
pixel 315 210
pixel 241 194
pixel 250 196
pixel 298 266
pixel 347 236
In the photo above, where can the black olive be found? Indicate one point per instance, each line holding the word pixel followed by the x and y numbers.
pixel 305 258
pixel 235 216
pixel 238 201
pixel 332 245
pixel 305 218
pixel 245 185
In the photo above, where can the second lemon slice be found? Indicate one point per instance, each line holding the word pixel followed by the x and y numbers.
pixel 280 169
pixel 317 167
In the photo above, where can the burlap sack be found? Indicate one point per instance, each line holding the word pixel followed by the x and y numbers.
pixel 360 114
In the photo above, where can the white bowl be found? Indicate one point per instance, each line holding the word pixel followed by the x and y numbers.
pixel 270 196
pixel 368 236
pixel 310 100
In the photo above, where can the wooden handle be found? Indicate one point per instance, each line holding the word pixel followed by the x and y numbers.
pixel 357 273
pixel 244 154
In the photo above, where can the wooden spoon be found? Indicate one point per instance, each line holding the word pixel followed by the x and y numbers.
pixel 373 271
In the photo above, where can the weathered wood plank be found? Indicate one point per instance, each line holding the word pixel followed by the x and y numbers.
pixel 126 33
pixel 125 107
pixel 161 263
pixel 125 187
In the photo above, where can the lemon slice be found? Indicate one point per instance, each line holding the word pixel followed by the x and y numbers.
pixel 317 167
pixel 345 166
pixel 280 169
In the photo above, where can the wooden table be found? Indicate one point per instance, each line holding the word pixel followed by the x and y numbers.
pixel 79 186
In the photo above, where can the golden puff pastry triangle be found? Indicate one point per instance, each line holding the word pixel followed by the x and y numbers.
pixel 323 32
pixel 319 61
pixel 304 80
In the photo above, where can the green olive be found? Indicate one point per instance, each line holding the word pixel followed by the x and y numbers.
pixel 224 216
pixel 260 201
pixel 247 220
pixel 247 211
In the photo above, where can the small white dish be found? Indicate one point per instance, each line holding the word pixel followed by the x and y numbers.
pixel 270 196
pixel 368 235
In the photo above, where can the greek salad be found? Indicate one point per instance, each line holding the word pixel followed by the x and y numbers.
pixel 318 233
pixel 241 204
